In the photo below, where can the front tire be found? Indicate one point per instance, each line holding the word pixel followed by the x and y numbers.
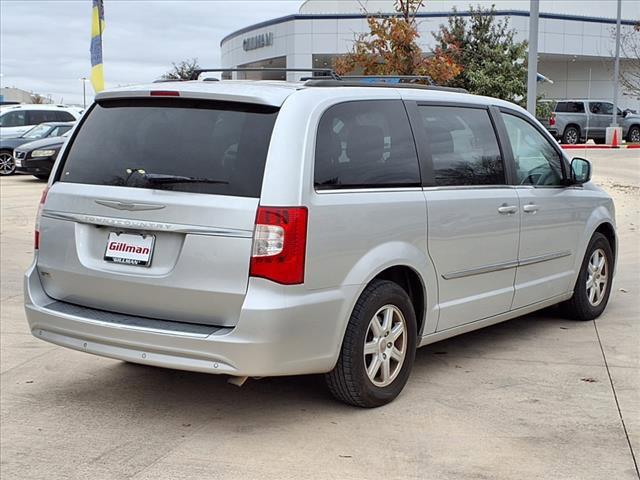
pixel 634 134
pixel 7 163
pixel 593 287
pixel 378 348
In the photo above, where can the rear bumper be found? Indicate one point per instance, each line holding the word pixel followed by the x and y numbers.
pixel 281 331
pixel 554 132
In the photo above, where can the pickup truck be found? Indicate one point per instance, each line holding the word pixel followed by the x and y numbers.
pixel 576 121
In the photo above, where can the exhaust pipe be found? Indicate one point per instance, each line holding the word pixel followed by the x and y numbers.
pixel 237 381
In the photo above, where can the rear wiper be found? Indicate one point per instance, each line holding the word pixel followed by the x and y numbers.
pixel 161 178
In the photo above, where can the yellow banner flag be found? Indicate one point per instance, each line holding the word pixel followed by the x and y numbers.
pixel 97 27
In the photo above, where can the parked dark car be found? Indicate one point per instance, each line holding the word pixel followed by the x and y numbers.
pixel 44 130
pixel 37 158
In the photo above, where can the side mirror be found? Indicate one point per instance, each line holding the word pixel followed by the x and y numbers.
pixel 625 113
pixel 580 171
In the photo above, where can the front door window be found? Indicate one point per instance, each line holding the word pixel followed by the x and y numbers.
pixel 537 161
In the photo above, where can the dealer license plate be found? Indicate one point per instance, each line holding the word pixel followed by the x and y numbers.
pixel 130 249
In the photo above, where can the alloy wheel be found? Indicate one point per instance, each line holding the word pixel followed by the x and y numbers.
pixel 597 280
pixel 7 165
pixel 385 345
pixel 571 136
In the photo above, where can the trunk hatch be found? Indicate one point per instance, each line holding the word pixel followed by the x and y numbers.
pixel 209 157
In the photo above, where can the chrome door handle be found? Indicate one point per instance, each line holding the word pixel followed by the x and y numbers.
pixel 531 208
pixel 505 209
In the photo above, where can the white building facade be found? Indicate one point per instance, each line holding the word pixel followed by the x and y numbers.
pixel 576 39
pixel 11 95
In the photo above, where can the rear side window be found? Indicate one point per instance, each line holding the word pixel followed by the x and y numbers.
pixel 575 107
pixel 561 107
pixel 36 117
pixel 64 117
pixel 220 146
pixel 14 119
pixel 570 107
pixel 462 145
pixel 365 144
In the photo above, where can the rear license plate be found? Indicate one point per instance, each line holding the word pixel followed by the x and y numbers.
pixel 130 249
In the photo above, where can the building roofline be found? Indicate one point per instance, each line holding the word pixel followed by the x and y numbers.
pixel 342 16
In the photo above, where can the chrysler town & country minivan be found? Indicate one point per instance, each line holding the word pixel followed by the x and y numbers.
pixel 262 228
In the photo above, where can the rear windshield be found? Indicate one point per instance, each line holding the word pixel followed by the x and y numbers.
pixel 156 143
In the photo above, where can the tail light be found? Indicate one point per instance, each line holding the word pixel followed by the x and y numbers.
pixel 552 120
pixel 36 237
pixel 280 244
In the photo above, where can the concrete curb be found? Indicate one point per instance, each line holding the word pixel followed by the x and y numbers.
pixel 594 147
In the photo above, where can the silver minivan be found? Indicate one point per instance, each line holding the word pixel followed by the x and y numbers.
pixel 263 228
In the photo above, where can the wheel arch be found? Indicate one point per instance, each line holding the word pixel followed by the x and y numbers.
pixel 412 283
pixel 576 126
pixel 408 265
pixel 608 230
pixel 600 222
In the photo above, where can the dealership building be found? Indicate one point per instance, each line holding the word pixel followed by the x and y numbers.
pixel 575 43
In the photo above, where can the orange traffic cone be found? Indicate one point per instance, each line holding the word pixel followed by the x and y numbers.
pixel 614 140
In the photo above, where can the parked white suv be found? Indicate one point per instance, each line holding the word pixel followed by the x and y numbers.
pixel 256 228
pixel 17 119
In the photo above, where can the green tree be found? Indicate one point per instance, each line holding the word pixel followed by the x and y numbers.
pixel 493 62
pixel 390 48
pixel 182 70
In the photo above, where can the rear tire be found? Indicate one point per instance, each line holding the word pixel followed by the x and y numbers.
pixel 378 348
pixel 571 135
pixel 593 287
pixel 7 163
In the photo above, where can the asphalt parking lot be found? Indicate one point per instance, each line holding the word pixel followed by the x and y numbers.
pixel 538 397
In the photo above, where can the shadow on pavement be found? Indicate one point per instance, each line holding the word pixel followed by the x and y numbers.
pixel 153 394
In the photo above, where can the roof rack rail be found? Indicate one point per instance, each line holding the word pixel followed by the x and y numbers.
pixel 343 83
pixel 390 78
pixel 326 72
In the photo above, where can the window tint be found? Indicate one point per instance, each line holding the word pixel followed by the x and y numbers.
pixel 59 131
pixel 570 107
pixel 14 119
pixel 37 117
pixel 601 108
pixel 575 107
pixel 365 144
pixel 122 141
pixel 62 116
pixel 39 131
pixel 537 162
pixel 463 146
